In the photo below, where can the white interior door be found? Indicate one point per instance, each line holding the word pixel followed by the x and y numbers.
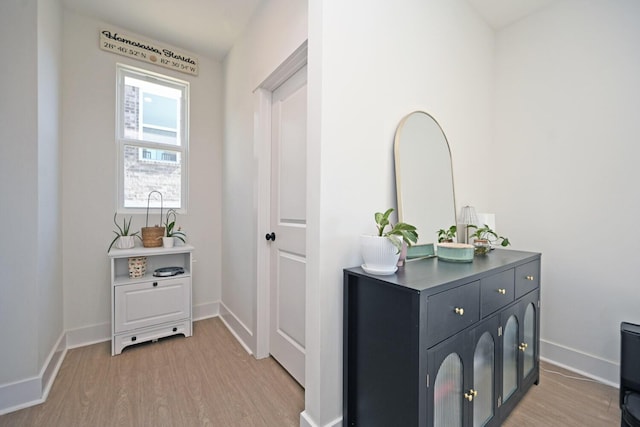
pixel 288 224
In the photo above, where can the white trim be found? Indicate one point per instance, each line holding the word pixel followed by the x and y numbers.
pixel 236 327
pixel 206 311
pixel 306 421
pixel 88 335
pixel 289 66
pixel 33 391
pixel 184 87
pixel 262 150
pixel 596 368
pixel 262 182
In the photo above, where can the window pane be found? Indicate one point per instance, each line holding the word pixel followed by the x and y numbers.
pixel 151 112
pixel 146 170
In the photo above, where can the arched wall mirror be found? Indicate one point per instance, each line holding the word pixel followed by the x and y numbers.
pixel 424 176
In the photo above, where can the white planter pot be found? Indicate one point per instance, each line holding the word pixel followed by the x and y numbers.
pixel 167 242
pixel 379 254
pixel 125 242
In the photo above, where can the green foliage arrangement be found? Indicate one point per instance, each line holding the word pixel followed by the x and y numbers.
pixel 447 235
pixel 398 233
pixel 486 233
pixel 122 231
pixel 170 224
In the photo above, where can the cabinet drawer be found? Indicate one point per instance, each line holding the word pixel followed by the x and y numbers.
pixel 451 311
pixel 496 291
pixel 151 303
pixel 150 334
pixel 527 278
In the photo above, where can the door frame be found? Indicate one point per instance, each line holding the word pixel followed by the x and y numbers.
pixel 262 183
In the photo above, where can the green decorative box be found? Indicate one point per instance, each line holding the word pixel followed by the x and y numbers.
pixel 420 251
pixel 455 252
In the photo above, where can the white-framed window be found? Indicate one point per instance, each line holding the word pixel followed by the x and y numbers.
pixel 152 138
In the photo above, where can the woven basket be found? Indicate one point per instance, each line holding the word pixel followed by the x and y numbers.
pixel 152 236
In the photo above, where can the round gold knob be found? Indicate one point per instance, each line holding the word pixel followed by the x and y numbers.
pixel 459 311
pixel 523 346
pixel 502 291
pixel 469 397
pixel 473 392
pixel 529 278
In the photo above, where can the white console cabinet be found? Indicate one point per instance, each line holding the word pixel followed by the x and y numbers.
pixel 147 308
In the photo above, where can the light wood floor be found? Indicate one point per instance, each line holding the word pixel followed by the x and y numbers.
pixel 205 380
pixel 209 380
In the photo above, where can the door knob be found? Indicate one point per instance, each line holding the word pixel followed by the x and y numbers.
pixel 271 236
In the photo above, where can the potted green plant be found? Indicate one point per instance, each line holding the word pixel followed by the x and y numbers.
pixel 171 232
pixel 484 237
pixel 124 239
pixel 382 251
pixel 447 235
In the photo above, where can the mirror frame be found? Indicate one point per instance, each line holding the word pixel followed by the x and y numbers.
pixel 423 240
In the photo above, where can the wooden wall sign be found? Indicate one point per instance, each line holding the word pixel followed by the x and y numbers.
pixel 151 52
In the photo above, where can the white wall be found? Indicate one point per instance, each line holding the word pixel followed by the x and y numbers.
pixel 30 251
pixel 19 189
pixel 566 170
pixel 371 63
pixel 49 165
pixel 276 30
pixel 89 175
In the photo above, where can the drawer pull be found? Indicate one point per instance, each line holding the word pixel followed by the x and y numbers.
pixel 502 291
pixel 468 396
pixel 155 283
pixel 133 338
pixel 530 278
pixel 175 329
pixel 459 311
pixel 523 346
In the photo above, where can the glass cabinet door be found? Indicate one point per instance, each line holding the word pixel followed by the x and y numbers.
pixel 447 393
pixel 483 374
pixel 528 344
pixel 510 358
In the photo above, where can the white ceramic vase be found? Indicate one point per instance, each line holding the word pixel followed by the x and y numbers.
pixel 125 242
pixel 379 255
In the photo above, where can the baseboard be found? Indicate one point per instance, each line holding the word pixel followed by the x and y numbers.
pixel 237 328
pixel 88 335
pixel 32 391
pixel 306 421
pixel 205 311
pixel 601 370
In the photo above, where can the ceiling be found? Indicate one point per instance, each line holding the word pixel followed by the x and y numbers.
pixel 204 27
pixel 210 27
pixel 501 13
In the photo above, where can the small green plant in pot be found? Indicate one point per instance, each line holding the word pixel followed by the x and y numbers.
pixel 124 239
pixel 484 237
pixel 382 251
pixel 398 233
pixel 447 235
pixel 171 232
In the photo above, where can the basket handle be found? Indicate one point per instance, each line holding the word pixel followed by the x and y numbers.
pixel 161 206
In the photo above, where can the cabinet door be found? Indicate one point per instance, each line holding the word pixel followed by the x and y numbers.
pixel 529 312
pixel 520 353
pixel 447 406
pixel 484 340
pixel 152 303
pixel 510 356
